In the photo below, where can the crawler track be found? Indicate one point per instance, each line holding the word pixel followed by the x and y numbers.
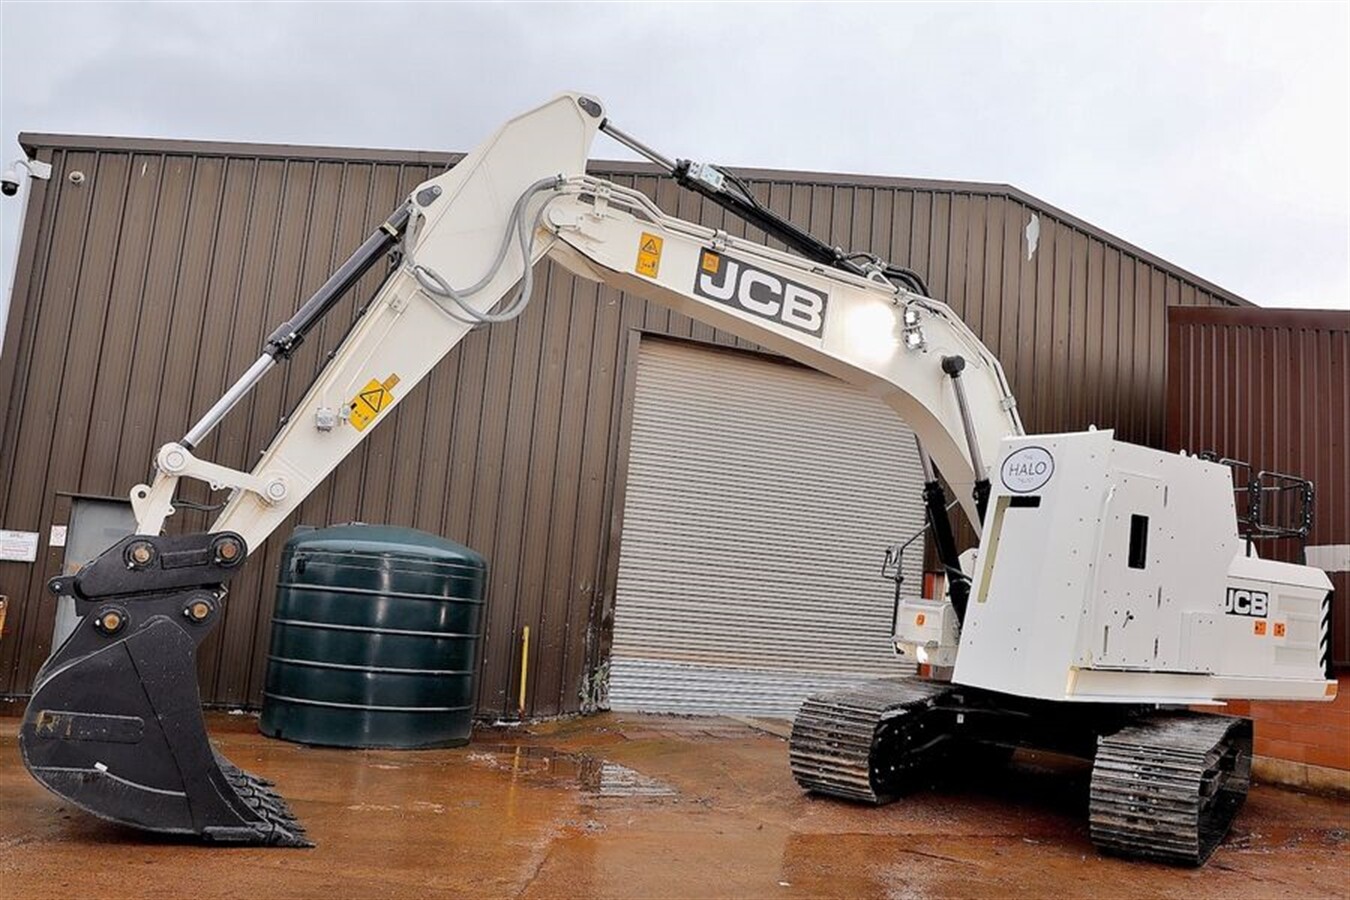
pixel 1167 787
pixel 866 742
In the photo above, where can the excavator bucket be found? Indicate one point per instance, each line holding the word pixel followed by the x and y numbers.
pixel 115 722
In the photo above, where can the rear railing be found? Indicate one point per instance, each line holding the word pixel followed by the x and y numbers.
pixel 1271 506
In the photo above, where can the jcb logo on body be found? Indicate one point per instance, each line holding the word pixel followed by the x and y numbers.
pixel 741 286
pixel 1243 602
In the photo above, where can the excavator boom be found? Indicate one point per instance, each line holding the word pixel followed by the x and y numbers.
pixel 525 193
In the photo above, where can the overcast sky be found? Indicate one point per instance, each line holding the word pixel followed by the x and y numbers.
pixel 1215 136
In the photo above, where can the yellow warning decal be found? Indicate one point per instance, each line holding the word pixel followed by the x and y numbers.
pixel 649 255
pixel 710 262
pixel 373 398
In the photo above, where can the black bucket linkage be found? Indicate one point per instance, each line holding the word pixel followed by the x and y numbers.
pixel 115 721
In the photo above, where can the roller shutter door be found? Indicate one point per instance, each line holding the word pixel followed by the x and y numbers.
pixel 760 498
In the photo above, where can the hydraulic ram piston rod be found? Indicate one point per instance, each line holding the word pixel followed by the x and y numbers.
pixel 637 146
pixel 283 341
pixel 953 366
pixel 944 539
pixel 237 391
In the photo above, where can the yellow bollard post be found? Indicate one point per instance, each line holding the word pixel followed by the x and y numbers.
pixel 524 665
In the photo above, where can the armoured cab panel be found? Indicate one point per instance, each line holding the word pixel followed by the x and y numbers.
pixel 1113 572
pixel 1034 566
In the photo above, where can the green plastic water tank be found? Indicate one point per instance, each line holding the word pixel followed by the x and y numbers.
pixel 374 639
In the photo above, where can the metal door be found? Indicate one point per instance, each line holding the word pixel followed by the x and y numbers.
pixel 760 497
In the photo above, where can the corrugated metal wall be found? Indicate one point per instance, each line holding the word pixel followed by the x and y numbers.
pixel 143 290
pixel 1271 388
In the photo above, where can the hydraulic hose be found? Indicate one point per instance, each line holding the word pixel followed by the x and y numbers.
pixel 459 309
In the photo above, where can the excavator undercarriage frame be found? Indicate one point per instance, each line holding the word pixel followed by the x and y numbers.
pixel 1165 785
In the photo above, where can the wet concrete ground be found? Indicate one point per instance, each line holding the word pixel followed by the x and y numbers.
pixel 637 806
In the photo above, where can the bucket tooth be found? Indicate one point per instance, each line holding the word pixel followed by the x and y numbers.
pixel 276 825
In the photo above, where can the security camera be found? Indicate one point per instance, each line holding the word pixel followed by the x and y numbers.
pixel 9 182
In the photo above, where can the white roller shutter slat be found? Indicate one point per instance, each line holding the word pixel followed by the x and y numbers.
pixel 760 499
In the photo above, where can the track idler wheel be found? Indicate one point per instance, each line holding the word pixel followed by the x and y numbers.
pixel 115 722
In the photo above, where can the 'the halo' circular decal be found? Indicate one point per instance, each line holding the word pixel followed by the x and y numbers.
pixel 1027 469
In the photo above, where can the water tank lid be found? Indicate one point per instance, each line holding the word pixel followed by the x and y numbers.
pixel 358 537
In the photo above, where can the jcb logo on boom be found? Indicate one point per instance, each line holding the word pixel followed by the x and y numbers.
pixel 742 286
pixel 1242 602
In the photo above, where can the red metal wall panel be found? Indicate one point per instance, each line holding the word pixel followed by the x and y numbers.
pixel 1271 388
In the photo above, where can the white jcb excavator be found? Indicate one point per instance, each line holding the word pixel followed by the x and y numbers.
pixel 1112 589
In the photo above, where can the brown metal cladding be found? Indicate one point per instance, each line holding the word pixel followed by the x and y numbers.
pixel 1271 388
pixel 141 293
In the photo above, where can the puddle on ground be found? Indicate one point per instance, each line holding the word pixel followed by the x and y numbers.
pixel 594 775
pixel 415 806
